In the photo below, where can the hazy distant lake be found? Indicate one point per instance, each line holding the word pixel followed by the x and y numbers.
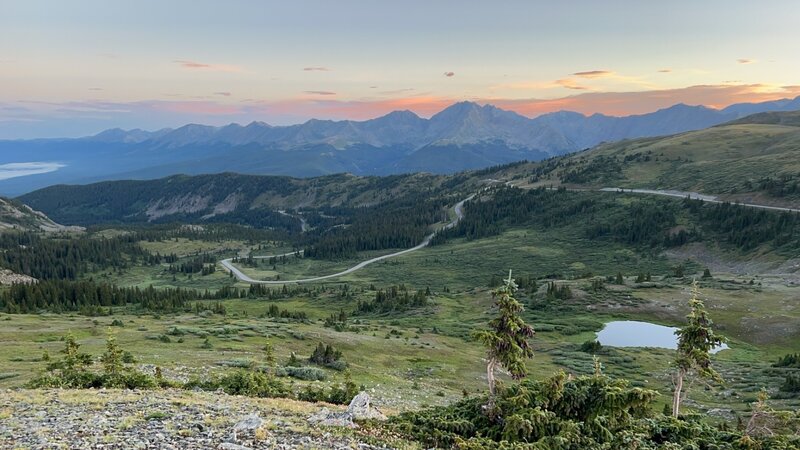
pixel 630 333
pixel 14 170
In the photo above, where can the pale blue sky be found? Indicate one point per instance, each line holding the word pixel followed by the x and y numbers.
pixel 75 67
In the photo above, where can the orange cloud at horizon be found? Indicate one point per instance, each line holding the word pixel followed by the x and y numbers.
pixel 608 103
pixel 354 109
pixel 318 106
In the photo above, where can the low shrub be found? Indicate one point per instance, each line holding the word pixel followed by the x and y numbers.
pixel 304 373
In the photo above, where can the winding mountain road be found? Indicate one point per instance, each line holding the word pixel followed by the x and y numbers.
pixel 228 263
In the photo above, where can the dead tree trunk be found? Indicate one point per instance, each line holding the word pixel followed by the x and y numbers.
pixel 676 399
pixel 490 378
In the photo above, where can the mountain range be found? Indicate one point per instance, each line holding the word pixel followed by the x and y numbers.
pixel 463 136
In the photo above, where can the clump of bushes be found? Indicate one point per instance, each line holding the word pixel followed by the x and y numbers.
pixel 303 373
pixel 244 382
pixel 74 370
pixel 327 356
pixel 339 394
pixel 591 347
pixel 78 370
pixel 789 361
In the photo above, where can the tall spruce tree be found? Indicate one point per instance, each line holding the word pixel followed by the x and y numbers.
pixel 695 341
pixel 112 360
pixel 507 339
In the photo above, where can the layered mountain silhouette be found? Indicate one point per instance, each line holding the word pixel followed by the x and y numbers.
pixel 463 136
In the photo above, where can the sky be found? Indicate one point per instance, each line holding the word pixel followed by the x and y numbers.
pixel 74 68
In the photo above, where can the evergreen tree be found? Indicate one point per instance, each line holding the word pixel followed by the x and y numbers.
pixel 507 339
pixel 695 342
pixel 269 356
pixel 112 359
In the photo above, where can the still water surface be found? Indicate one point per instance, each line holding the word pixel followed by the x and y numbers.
pixel 630 333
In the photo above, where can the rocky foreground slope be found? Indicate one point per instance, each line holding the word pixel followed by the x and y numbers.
pixel 168 419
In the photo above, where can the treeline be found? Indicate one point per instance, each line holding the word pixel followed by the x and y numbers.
pixel 66 258
pixel 93 298
pixel 277 313
pixel 216 232
pixel 644 222
pixel 504 207
pixel 747 228
pixel 395 224
pixel 89 297
pixel 204 264
pixel 394 299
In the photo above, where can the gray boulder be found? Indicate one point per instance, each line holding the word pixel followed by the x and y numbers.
pixel 328 418
pixel 245 429
pixel 361 409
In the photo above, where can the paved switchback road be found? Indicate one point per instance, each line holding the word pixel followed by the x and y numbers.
pixel 228 263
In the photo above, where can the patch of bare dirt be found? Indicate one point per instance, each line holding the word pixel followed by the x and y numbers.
pixel 185 204
pixel 8 277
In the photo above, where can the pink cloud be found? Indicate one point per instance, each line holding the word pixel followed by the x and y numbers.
pixel 186 64
pixel 320 93
pixel 223 93
pixel 570 84
pixel 449 74
pixel 594 74
pixel 316 69
pixel 745 61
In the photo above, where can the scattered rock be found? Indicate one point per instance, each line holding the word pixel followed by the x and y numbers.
pixel 328 418
pixel 361 409
pixel 726 414
pixel 113 419
pixel 246 428
pixel 230 446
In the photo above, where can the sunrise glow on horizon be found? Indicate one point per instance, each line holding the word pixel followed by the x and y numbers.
pixel 75 68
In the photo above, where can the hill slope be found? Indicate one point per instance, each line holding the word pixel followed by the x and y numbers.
pixel 17 216
pixel 755 159
pixel 228 197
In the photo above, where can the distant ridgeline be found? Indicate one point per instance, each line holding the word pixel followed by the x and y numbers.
pixel 463 136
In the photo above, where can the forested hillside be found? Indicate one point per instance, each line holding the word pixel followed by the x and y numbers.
pixel 233 198
pixel 643 222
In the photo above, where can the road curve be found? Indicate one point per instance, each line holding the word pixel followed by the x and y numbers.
pixel 228 264
pixel 695 196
